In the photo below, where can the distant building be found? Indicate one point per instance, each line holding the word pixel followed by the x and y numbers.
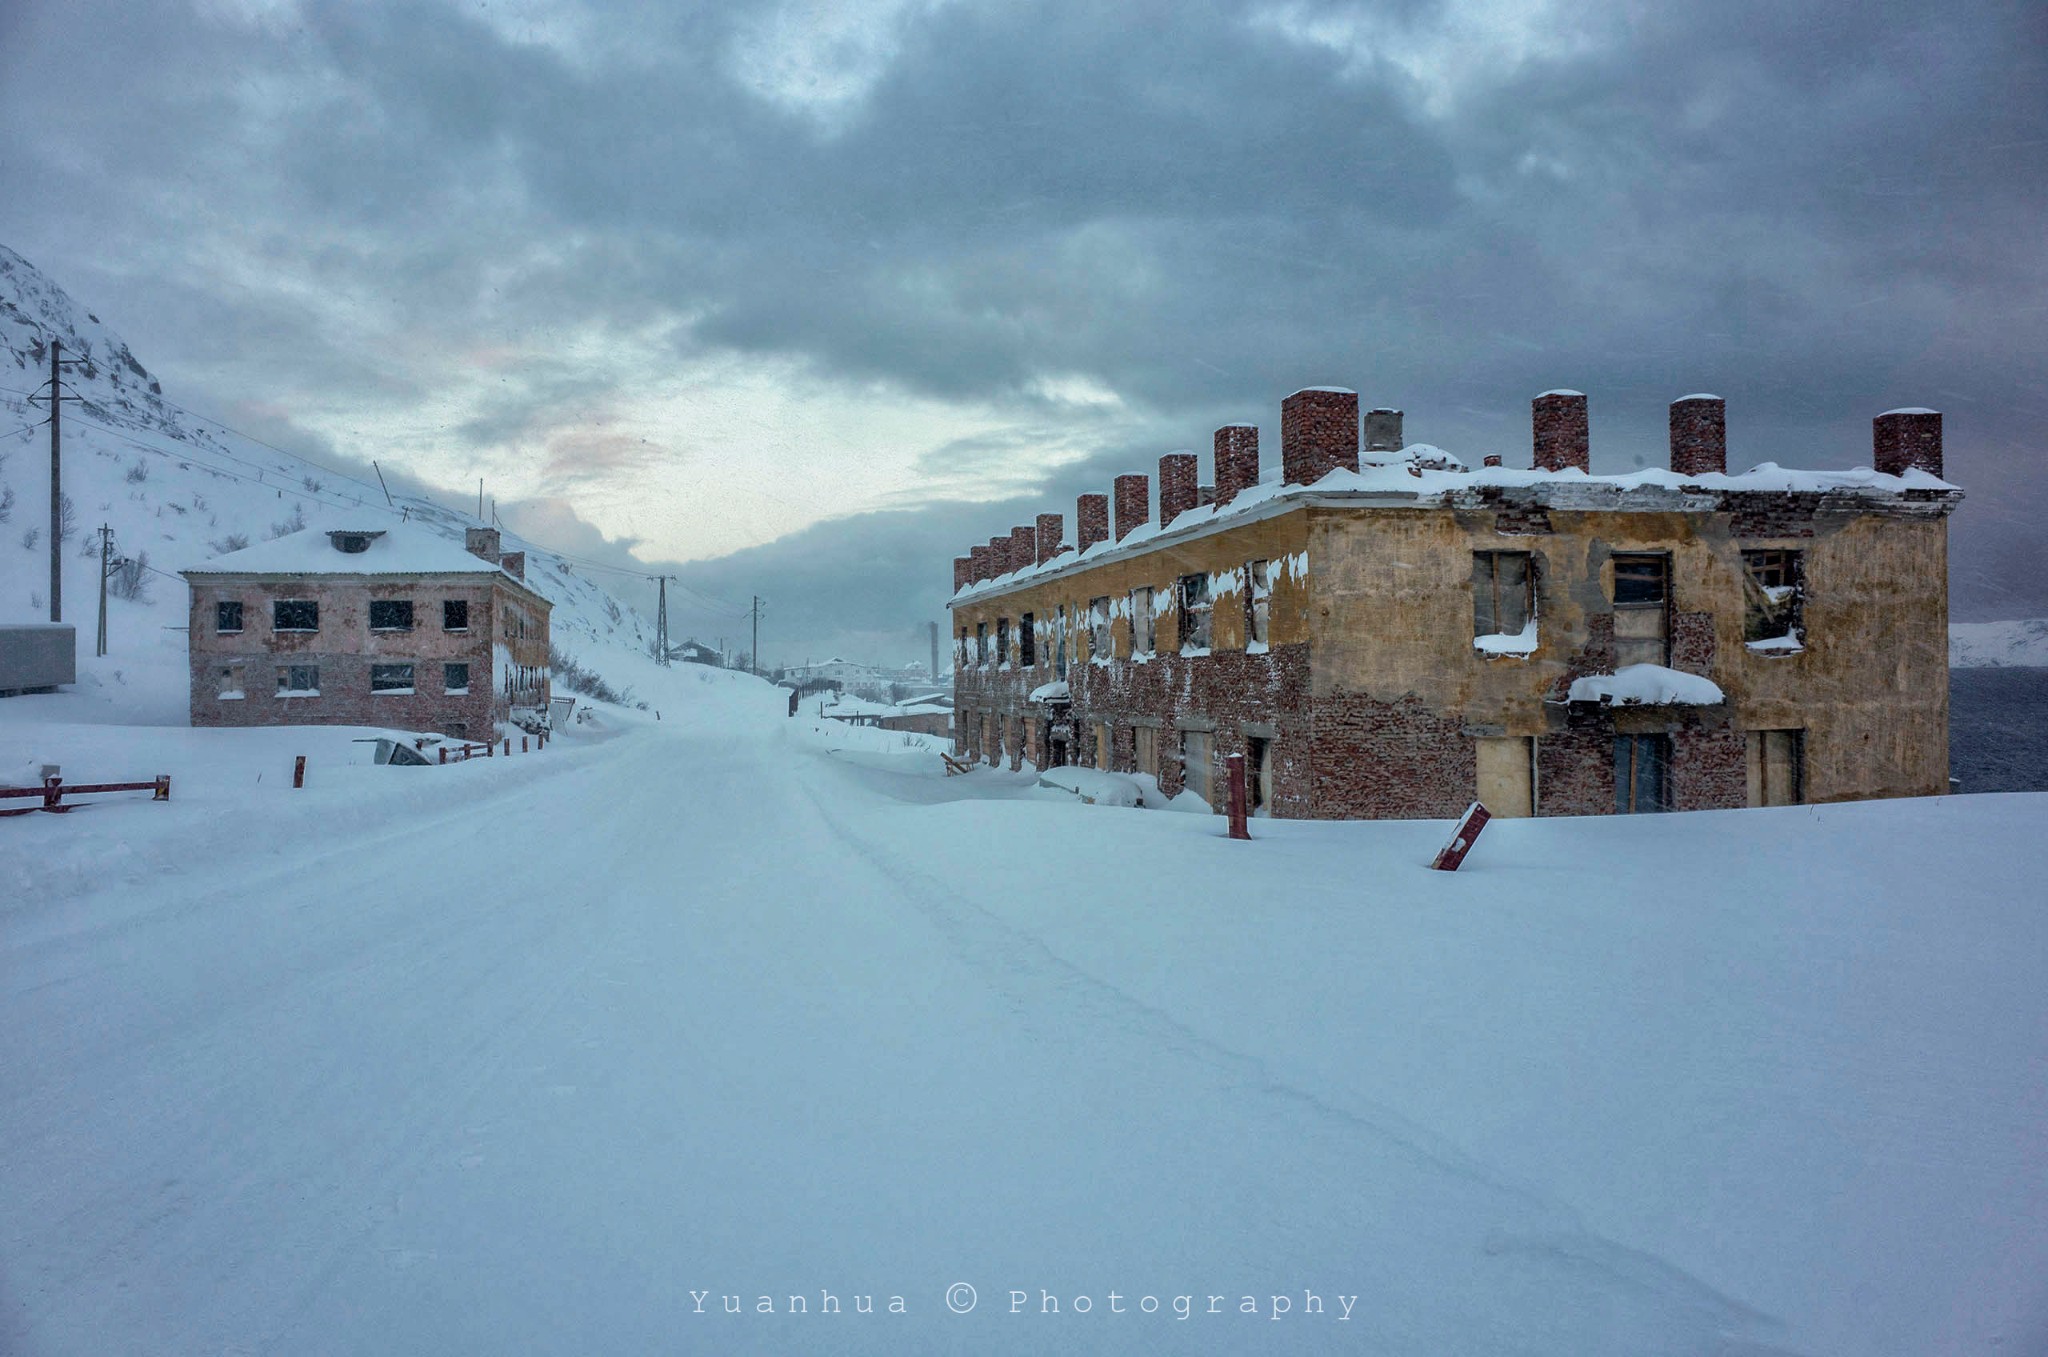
pixel 695 652
pixel 37 657
pixel 1392 635
pixel 390 627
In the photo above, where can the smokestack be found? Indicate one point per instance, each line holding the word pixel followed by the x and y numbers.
pixel 1318 433
pixel 1237 460
pixel 1561 431
pixel 963 572
pixel 1052 528
pixel 483 542
pixel 1091 521
pixel 1699 435
pixel 1905 438
pixel 1133 503
pixel 1023 548
pixel 1383 430
pixel 1179 486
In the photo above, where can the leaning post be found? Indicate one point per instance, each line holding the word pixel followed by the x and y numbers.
pixel 1238 828
pixel 1462 838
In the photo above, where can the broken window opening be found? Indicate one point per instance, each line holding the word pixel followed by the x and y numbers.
pixel 227 616
pixel 1144 625
pixel 1196 612
pixel 1641 774
pixel 1099 641
pixel 390 614
pixel 1773 595
pixel 390 678
pixel 1258 602
pixel 455 614
pixel 1027 641
pixel 294 614
pixel 1503 594
pixel 1642 601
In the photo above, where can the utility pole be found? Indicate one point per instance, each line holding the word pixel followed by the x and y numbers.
pixel 479 499
pixel 934 675
pixel 56 482
pixel 661 623
pixel 106 552
pixel 381 486
pixel 755 663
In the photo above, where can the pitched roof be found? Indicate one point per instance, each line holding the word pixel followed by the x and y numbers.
pixel 400 549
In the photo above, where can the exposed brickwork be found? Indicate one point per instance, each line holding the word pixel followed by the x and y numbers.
pixel 963 572
pixel 1901 439
pixel 1760 513
pixel 513 563
pixel 1491 459
pixel 1318 434
pixel 1709 767
pixel 1516 512
pixel 1562 434
pixel 984 563
pixel 1692 643
pixel 999 555
pixel 1389 760
pixel 1133 503
pixel 1383 430
pixel 1023 547
pixel 1575 769
pixel 1051 532
pixel 1091 521
pixel 1237 460
pixel 1699 435
pixel 482 543
pixel 1179 485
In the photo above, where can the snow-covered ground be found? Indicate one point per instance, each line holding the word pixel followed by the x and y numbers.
pixel 519 1055
pixel 1984 645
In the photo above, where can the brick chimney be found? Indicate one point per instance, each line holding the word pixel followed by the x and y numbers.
pixel 984 563
pixel 1699 435
pixel 1909 437
pixel 1051 530
pixel 513 563
pixel 1383 430
pixel 483 542
pixel 999 556
pixel 1179 485
pixel 1318 433
pixel 963 572
pixel 1562 436
pixel 1133 503
pixel 1237 460
pixel 1091 521
pixel 1492 459
pixel 1023 548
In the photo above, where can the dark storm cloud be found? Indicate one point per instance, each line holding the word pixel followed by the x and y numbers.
pixel 1819 211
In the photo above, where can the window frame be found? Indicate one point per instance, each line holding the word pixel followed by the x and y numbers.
pixel 221 609
pixel 1660 607
pixel 448 688
pixel 410 685
pixel 1487 592
pixel 287 686
pixel 1627 800
pixel 1258 603
pixel 1002 642
pixel 448 607
pixel 1763 617
pixel 404 605
pixel 1101 634
pixel 1144 620
pixel 277 609
pixel 1195 606
pixel 1027 641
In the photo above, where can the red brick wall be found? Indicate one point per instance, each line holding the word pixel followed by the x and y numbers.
pixel 998 556
pixel 1575 768
pixel 984 563
pixel 1023 547
pixel 1389 760
pixel 963 572
pixel 1709 768
pixel 1318 434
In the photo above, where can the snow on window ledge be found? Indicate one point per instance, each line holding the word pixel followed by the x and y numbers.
pixel 1647 685
pixel 1194 651
pixel 228 697
pixel 1257 648
pixel 1518 644
pixel 1791 643
pixel 391 692
pixel 453 692
pixel 300 692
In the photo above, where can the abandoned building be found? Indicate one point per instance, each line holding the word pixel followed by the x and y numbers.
pixel 1382 631
pixel 392 627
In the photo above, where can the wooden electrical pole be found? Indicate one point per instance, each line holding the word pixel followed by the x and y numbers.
pixel 661 623
pixel 756 661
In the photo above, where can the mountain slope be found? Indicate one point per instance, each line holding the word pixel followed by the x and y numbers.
pixel 175 492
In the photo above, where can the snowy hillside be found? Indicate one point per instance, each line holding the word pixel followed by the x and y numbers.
pixel 176 492
pixel 1993 645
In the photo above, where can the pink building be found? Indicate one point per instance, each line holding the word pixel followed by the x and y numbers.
pixel 391 627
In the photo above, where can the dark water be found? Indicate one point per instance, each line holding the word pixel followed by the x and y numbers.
pixel 1998 729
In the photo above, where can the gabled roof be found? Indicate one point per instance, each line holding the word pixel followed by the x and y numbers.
pixel 401 549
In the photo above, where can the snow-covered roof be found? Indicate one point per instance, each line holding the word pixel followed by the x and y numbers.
pixel 1415 478
pixel 401 549
pixel 1647 685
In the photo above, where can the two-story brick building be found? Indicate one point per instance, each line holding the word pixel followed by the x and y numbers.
pixel 378 627
pixel 1383 632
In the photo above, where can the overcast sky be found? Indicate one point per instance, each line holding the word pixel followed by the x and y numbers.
pixel 813 296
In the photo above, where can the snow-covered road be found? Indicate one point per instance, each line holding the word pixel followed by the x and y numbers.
pixel 703 1011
